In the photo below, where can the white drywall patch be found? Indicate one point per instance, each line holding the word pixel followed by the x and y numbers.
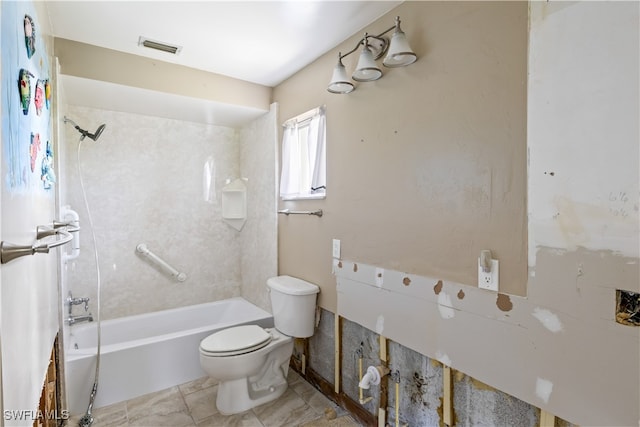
pixel 336 264
pixel 445 306
pixel 379 277
pixel 380 324
pixel 443 358
pixel 544 389
pixel 548 319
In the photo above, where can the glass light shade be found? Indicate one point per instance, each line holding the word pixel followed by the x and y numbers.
pixel 339 81
pixel 400 53
pixel 367 69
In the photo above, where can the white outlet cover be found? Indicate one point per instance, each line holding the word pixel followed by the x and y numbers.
pixel 490 280
pixel 336 248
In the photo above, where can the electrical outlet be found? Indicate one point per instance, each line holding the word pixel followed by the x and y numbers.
pixel 489 280
pixel 336 248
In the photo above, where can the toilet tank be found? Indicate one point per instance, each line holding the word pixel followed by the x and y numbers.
pixel 293 302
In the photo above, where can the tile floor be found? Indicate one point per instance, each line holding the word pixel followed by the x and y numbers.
pixel 193 404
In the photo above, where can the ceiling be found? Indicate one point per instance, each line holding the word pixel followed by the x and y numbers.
pixel 263 42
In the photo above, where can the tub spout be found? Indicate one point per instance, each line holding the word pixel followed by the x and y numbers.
pixel 72 320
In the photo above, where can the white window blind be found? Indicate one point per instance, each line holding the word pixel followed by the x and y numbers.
pixel 304 157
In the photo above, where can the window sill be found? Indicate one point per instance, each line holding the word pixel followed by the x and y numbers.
pixel 309 197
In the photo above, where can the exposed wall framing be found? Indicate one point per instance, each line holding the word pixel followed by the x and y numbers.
pixel 49 409
pixel 337 354
pixel 447 398
pixel 547 419
pixel 384 385
pixel 430 393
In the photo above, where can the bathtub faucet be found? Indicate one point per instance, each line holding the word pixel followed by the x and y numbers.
pixel 72 320
pixel 71 301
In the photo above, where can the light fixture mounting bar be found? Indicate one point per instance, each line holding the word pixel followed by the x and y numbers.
pixel 378 47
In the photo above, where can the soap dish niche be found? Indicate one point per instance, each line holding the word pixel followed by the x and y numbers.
pixel 234 203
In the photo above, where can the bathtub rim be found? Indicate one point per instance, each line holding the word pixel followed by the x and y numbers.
pixel 72 353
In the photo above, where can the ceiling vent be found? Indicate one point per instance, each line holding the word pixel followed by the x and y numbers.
pixel 153 44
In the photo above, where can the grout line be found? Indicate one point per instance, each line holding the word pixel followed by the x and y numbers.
pixel 258 418
pixel 126 411
pixel 310 409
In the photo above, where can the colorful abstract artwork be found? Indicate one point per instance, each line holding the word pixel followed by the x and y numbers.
pixel 47 174
pixel 38 99
pixel 28 167
pixel 34 149
pixel 29 35
pixel 47 93
pixel 24 87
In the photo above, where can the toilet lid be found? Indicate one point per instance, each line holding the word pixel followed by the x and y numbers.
pixel 236 340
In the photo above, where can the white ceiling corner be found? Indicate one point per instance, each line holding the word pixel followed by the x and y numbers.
pixel 263 42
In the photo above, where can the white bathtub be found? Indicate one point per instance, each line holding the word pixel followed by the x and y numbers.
pixel 148 352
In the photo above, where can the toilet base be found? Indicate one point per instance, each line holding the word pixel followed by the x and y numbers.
pixel 236 396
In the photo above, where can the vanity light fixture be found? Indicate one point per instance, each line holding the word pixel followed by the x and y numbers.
pixel 399 54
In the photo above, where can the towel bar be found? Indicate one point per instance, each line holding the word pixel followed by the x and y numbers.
pixel 287 212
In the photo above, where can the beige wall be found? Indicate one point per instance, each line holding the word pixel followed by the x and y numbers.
pixel 426 166
pixel 96 63
pixel 559 348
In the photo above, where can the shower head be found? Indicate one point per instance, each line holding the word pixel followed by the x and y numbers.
pixel 84 133
pixel 98 132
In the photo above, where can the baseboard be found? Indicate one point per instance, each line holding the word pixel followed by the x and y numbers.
pixel 325 387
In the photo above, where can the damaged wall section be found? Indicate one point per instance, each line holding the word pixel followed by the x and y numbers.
pixel 628 307
pixel 475 403
pixel 420 387
pixel 421 381
pixel 559 332
pixel 357 340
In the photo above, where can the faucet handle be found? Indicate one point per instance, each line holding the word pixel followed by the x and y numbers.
pixel 71 300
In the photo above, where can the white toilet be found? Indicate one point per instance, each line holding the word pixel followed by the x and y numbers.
pixel 251 363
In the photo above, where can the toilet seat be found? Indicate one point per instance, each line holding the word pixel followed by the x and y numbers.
pixel 235 341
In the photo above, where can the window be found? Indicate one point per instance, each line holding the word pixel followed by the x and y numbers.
pixel 304 156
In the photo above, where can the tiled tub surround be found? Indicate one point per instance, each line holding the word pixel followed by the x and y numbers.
pixel 193 404
pixel 144 183
pixel 149 352
pixel 259 237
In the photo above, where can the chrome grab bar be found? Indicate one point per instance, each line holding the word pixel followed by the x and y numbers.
pixel 143 250
pixel 10 251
